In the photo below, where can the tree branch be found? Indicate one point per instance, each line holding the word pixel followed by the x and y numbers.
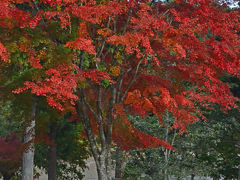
pixel 101 123
pixel 127 22
pixel 110 115
pixel 104 41
pixel 132 81
pixel 119 90
pixel 98 116
pixel 86 122
pixel 115 24
pixel 92 111
pixel 172 143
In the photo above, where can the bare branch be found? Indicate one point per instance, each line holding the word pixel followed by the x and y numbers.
pixel 104 41
pixel 173 140
pixel 115 24
pixel 82 61
pixel 99 102
pixel 110 115
pixel 99 119
pixel 119 89
pixel 92 111
pixel 127 22
pixel 101 123
pixel 163 14
pixel 87 125
pixel 119 84
pixel 132 81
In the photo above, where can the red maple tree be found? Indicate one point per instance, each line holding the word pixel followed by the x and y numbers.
pixel 109 58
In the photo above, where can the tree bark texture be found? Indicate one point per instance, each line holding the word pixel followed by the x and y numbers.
pixel 28 154
pixel 52 153
pixel 102 168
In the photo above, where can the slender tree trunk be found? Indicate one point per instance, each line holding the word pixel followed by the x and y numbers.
pixel 52 153
pixel 192 177
pixel 239 172
pixel 166 152
pixel 28 154
pixel 119 164
pixel 165 175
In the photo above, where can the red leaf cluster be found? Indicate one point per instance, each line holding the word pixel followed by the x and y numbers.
pixel 127 137
pixel 58 88
pixel 4 56
pixel 168 58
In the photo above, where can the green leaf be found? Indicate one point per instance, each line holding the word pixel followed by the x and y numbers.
pixel 111 50
pixel 58 8
pixel 172 53
pixel 24 55
pixel 105 83
pixel 86 63
pixel 102 68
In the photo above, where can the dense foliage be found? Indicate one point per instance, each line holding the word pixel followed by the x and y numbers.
pixel 102 59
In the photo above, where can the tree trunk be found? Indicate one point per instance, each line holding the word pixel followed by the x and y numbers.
pixel 52 153
pixel 109 165
pixel 165 175
pixel 101 155
pixel 28 154
pixel 119 164
pixel 239 172
pixel 102 168
pixel 192 177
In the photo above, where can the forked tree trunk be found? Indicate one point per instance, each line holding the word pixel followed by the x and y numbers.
pixel 28 154
pixel 52 153
pixel 102 154
pixel 101 157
